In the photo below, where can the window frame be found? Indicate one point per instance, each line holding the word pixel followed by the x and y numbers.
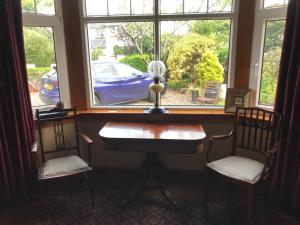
pixel 156 18
pixel 56 23
pixel 262 15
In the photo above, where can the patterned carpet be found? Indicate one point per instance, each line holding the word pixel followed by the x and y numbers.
pixel 74 207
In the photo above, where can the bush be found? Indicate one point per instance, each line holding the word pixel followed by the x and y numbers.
pixel 210 69
pixel 139 62
pixel 37 73
pixel 119 50
pixel 185 57
pixel 96 52
pixel 269 77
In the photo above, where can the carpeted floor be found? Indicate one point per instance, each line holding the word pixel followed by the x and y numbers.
pixel 74 206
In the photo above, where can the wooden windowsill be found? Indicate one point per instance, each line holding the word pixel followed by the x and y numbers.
pixel 206 112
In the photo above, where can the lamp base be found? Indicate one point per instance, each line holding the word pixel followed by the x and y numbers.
pixel 156 110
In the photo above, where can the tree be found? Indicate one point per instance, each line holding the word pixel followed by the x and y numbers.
pixel 269 77
pixel 96 52
pixel 37 6
pixel 137 37
pixel 218 5
pixel 39 46
pixel 28 6
pixel 274 35
pixel 215 29
pixel 184 59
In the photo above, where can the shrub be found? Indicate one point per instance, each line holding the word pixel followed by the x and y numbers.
pixel 37 73
pixel 210 69
pixel 139 62
pixel 119 50
pixel 184 59
pixel 96 52
pixel 269 77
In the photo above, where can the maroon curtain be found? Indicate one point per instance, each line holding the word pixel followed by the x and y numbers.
pixel 16 120
pixel 286 179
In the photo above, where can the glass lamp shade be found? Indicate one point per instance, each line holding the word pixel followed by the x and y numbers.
pixel 156 69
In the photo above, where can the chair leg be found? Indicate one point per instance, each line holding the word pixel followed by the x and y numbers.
pixel 250 203
pixel 41 200
pixel 266 186
pixel 91 187
pixel 80 181
pixel 206 187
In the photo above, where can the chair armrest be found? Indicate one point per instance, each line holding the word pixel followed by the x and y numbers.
pixel 269 157
pixel 89 143
pixel 220 137
pixel 217 137
pixel 85 138
pixel 274 150
pixel 34 147
pixel 34 152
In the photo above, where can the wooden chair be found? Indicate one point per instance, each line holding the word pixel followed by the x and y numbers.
pixel 254 132
pixel 69 163
pixel 210 94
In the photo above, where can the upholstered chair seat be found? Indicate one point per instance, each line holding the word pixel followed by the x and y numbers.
pixel 239 168
pixel 64 141
pixel 254 134
pixel 63 166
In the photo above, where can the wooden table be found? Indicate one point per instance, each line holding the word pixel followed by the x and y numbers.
pixel 155 135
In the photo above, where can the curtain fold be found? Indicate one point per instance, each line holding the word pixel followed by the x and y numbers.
pixel 17 168
pixel 286 179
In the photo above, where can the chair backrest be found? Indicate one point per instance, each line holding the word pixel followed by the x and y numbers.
pixel 57 119
pixel 212 90
pixel 255 129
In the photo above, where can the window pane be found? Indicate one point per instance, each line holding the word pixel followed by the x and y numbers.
pixel 44 7
pixel 119 7
pixel 119 56
pixel 195 6
pixel 28 6
pixel 171 6
pixel 142 6
pixel 219 5
pixel 271 59
pixel 41 69
pixel 196 56
pixel 96 7
pixel 274 3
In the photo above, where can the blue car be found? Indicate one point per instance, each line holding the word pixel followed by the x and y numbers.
pixel 112 82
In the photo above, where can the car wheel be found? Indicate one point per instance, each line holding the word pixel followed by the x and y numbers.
pixel 151 97
pixel 97 100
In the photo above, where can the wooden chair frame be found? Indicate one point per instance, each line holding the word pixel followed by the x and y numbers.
pixel 265 125
pixel 213 88
pixel 58 128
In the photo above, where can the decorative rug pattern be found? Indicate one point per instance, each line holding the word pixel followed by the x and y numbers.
pixel 74 208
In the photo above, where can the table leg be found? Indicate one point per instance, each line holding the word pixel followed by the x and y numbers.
pixel 152 167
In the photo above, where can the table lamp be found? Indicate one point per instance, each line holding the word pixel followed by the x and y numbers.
pixel 156 70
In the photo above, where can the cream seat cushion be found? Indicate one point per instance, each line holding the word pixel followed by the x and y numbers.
pixel 239 168
pixel 63 166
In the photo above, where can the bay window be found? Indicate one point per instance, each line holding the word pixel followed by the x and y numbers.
pixel 45 52
pixel 193 38
pixel 266 51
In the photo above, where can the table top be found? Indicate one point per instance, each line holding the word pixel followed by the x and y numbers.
pixel 152 131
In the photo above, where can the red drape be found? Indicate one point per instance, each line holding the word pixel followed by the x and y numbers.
pixel 286 179
pixel 16 120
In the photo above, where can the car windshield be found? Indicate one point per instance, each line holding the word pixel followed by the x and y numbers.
pixel 115 69
pixel 126 71
pixel 102 69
